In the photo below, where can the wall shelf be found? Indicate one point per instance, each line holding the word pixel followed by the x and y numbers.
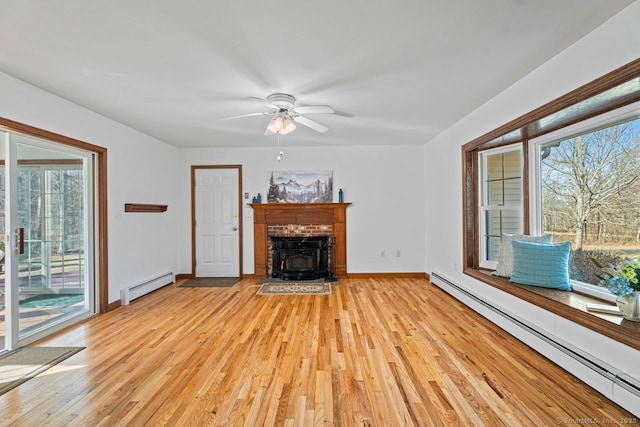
pixel 148 208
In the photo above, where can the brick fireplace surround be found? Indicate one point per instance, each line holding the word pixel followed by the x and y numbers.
pixel 299 219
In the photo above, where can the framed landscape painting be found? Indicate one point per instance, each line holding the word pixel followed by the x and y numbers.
pixel 300 187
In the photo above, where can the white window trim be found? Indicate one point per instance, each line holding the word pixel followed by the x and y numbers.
pixel 535 196
pixel 484 207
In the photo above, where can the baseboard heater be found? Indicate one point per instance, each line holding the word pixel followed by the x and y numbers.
pixel 136 291
pixel 628 383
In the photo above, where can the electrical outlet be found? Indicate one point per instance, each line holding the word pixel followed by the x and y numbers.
pixel 397 253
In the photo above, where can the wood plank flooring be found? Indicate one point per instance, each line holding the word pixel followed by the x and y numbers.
pixel 377 352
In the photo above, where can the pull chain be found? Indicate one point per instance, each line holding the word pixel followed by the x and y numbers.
pixel 281 153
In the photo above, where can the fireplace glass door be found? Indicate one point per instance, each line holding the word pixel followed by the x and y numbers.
pixel 300 258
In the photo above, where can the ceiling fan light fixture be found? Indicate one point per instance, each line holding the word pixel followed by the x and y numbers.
pixel 281 125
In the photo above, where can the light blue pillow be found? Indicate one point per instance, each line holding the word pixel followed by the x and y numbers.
pixel 541 264
pixel 505 255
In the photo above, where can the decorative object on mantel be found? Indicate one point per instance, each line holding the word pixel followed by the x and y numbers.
pixel 340 196
pixel 149 208
pixel 624 282
pixel 300 187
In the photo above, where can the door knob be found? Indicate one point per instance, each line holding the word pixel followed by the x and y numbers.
pixel 235 228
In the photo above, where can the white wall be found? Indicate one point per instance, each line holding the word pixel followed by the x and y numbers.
pixel 141 169
pixel 384 184
pixel 613 44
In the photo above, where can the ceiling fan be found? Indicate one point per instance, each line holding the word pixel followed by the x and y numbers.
pixel 283 107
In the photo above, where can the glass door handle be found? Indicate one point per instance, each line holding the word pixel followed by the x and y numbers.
pixel 19 241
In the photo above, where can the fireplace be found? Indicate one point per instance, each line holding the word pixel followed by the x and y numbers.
pixel 299 220
pixel 300 258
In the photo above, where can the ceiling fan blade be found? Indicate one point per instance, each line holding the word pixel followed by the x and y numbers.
pixel 264 102
pixel 314 109
pixel 310 123
pixel 265 113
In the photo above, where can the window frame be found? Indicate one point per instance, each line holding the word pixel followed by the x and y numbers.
pixel 486 207
pixel 529 127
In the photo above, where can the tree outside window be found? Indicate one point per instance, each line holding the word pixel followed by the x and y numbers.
pixel 591 196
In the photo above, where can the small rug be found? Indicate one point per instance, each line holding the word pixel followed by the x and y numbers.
pixel 275 280
pixel 21 365
pixel 51 300
pixel 210 282
pixel 298 288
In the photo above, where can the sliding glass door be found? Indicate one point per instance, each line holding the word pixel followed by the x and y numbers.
pixel 46 204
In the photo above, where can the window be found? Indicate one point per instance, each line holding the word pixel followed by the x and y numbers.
pixel 501 199
pixel 588 191
pixel 598 120
pixel 51 205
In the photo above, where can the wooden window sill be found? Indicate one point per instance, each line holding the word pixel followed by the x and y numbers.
pixel 570 305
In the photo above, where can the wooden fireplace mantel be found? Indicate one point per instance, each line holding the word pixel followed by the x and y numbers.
pixel 299 213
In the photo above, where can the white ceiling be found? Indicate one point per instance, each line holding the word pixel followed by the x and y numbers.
pixel 397 72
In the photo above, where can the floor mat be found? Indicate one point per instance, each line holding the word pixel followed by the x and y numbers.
pixel 210 282
pixel 21 365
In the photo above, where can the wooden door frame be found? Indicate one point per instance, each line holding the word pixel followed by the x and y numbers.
pixel 194 168
pixel 100 244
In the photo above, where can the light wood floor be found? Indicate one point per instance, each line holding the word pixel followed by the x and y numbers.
pixel 385 352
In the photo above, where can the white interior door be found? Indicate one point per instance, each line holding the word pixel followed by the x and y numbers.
pixel 216 227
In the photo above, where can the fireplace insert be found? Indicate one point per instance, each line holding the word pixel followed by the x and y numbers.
pixel 301 258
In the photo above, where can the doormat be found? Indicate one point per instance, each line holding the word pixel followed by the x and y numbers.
pixel 298 288
pixel 21 365
pixel 51 300
pixel 210 282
